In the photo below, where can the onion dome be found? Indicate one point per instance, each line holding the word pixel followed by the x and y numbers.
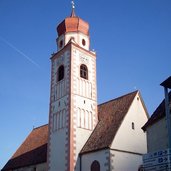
pixel 73 24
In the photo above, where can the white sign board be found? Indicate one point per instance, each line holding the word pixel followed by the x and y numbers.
pixel 159 160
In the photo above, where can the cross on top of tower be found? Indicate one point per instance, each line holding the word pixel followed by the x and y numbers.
pixel 73 4
pixel 73 9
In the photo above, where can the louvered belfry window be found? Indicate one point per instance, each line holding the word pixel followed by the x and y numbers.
pixel 84 71
pixel 60 73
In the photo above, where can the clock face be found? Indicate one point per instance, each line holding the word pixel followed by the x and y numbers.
pixel 61 59
pixel 83 58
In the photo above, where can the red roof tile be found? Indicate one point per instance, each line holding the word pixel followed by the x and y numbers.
pixel 111 115
pixel 73 24
pixel 32 151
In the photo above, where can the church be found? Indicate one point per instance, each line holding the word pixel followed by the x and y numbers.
pixel 81 135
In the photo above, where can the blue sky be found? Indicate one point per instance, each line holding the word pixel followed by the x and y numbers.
pixel 132 39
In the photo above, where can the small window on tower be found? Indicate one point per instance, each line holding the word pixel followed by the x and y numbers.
pixel 84 71
pixel 133 125
pixel 83 42
pixel 61 44
pixel 60 74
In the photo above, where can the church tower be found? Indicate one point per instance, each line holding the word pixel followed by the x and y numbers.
pixel 73 95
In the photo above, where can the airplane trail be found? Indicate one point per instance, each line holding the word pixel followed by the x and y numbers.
pixel 20 52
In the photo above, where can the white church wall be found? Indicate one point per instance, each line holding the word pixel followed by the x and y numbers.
pixel 84 87
pixel 78 38
pixel 58 137
pixel 122 161
pixel 101 156
pixel 84 113
pixel 130 137
pixel 84 103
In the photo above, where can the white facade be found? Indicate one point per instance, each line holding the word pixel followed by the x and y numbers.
pixel 112 160
pixel 102 156
pixel 130 137
pixel 78 38
pixel 130 141
pixel 124 161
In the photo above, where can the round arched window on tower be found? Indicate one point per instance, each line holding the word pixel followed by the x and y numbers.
pixel 60 73
pixel 84 71
pixel 83 42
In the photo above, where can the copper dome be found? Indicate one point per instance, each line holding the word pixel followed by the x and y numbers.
pixel 73 24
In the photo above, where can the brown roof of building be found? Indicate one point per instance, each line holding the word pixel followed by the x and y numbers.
pixel 111 115
pixel 158 114
pixel 32 151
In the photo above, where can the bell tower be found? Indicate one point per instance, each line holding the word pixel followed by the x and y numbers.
pixel 73 95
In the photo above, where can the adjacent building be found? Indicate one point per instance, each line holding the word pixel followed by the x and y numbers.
pixel 158 134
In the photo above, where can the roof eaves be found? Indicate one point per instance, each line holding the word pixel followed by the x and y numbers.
pixel 96 150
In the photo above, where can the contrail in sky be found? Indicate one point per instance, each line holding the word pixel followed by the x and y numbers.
pixel 20 52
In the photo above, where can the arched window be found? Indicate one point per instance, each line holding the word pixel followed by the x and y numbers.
pixel 60 74
pixel 84 71
pixel 95 166
pixel 83 42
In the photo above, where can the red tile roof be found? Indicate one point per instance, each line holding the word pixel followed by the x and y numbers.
pixel 111 115
pixel 32 151
pixel 73 24
pixel 158 114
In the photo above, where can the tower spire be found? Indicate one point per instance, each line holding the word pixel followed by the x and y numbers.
pixel 73 9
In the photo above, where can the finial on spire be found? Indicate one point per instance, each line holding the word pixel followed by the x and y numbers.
pixel 73 9
pixel 73 4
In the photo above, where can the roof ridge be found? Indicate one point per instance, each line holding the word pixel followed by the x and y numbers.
pixel 119 97
pixel 40 126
